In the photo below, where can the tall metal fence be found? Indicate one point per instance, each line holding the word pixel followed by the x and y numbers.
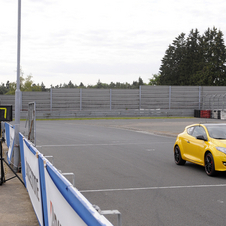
pixel 147 100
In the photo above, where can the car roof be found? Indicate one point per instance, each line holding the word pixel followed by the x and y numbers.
pixel 213 124
pixel 207 124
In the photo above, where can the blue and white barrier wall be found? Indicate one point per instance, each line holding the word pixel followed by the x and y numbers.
pixel 54 199
pixel 9 136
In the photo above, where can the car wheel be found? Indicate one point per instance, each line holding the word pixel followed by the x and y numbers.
pixel 177 156
pixel 209 165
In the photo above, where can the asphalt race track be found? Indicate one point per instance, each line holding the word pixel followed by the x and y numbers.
pixel 121 165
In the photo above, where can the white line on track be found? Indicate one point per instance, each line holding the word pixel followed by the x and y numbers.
pixel 81 145
pixel 155 188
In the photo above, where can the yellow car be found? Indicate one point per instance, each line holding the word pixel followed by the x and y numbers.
pixel 202 144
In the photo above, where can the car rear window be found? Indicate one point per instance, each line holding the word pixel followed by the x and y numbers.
pixel 190 130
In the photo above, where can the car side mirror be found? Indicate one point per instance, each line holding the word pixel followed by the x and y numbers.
pixel 201 137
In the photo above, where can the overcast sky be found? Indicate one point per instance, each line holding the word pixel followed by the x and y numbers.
pixel 90 40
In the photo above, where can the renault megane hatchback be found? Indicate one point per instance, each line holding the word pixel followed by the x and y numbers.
pixel 202 144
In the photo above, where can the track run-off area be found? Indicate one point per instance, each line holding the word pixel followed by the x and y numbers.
pixel 128 165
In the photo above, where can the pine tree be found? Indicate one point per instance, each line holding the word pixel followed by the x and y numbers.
pixel 213 69
pixel 193 57
pixel 198 60
pixel 172 68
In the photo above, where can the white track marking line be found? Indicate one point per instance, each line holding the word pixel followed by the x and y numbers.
pixel 154 188
pixel 115 144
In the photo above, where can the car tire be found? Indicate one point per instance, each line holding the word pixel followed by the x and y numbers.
pixel 209 165
pixel 177 156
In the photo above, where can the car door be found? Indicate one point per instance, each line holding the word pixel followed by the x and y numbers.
pixel 197 146
pixel 185 141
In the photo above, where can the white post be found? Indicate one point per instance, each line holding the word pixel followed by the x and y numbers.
pixel 140 98
pixel 51 99
pixel 170 97
pixel 80 99
pixel 199 97
pixel 110 99
pixel 17 95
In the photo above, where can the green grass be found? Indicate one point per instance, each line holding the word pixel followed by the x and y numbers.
pixel 108 118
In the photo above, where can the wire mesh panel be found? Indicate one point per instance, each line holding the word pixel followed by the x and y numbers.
pixel 125 99
pixel 65 99
pixel 95 99
pixel 185 97
pixel 214 97
pixel 154 97
pixel 41 99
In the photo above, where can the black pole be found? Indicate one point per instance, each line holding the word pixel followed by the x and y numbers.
pixel 2 167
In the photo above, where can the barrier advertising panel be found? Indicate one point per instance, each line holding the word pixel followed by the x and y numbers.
pixel 21 138
pixel 7 134
pixel 32 178
pixel 10 134
pixel 56 203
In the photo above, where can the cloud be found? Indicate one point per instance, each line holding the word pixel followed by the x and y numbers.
pixel 101 39
pixel 91 68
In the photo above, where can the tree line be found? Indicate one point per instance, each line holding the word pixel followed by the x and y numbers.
pixel 27 84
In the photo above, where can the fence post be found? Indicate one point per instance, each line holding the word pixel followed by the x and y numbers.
pixel 199 97
pixel 140 97
pixel 51 99
pixel 80 99
pixel 110 99
pixel 169 97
